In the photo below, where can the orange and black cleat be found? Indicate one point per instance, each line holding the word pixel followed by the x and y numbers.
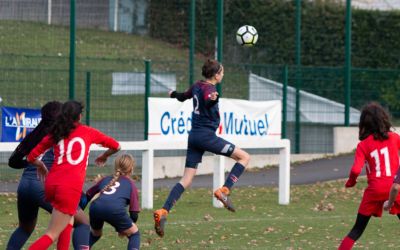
pixel 222 194
pixel 160 217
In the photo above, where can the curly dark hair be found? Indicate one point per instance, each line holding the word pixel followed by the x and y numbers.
pixel 66 121
pixel 49 113
pixel 374 120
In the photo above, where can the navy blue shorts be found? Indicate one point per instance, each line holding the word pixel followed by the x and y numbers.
pixel 100 213
pixel 30 199
pixel 201 141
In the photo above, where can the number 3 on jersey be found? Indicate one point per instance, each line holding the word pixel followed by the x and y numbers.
pixel 385 152
pixel 112 189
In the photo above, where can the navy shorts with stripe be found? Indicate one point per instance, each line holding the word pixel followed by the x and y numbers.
pixel 201 141
pixel 100 213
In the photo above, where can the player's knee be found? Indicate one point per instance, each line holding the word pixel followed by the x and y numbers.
pixel 245 158
pixel 185 182
pixel 133 229
pixel 128 232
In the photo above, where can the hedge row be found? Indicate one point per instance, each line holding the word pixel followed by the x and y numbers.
pixel 374 33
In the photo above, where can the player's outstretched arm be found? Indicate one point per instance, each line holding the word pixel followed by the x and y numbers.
pixel 180 96
pixel 101 159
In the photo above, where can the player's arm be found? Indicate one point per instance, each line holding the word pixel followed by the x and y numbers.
pixel 359 161
pixel 394 191
pixel 105 141
pixel 134 216
pixel 181 96
pixel 33 157
pixel 17 160
pixel 101 159
pixel 43 146
pixel 90 193
pixel 211 99
pixel 134 208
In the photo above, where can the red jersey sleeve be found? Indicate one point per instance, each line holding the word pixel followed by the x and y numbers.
pixel 359 162
pixel 134 201
pixel 46 143
pixel 102 139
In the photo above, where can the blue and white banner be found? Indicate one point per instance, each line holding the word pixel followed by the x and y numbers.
pixel 241 120
pixel 18 122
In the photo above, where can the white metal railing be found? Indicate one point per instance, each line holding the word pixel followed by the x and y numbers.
pixel 148 149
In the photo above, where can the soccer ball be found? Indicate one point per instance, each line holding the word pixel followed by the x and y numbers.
pixel 247 36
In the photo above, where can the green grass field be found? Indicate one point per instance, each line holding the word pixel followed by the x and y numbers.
pixel 318 217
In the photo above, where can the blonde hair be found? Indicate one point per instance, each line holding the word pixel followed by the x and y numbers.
pixel 124 164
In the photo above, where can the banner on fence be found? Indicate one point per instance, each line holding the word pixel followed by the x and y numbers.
pixel 18 122
pixel 170 119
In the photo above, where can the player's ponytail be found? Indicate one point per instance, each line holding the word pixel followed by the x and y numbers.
pixel 66 122
pixel 124 165
pixel 116 176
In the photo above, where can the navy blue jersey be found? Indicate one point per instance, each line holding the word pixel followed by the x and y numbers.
pixel 30 172
pixel 205 113
pixel 119 196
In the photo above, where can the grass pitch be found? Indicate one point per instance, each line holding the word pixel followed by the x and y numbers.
pixel 318 216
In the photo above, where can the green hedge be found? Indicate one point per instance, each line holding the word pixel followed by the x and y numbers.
pixel 374 33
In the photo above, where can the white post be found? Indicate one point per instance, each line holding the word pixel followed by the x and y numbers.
pixel 48 12
pixel 116 15
pixel 147 178
pixel 284 174
pixel 218 177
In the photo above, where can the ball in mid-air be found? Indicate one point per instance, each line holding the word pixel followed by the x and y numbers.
pixel 247 36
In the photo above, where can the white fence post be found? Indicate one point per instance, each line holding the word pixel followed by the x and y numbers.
pixel 147 178
pixel 284 174
pixel 218 177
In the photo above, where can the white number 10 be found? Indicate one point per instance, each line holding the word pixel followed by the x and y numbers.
pixel 69 150
pixel 385 152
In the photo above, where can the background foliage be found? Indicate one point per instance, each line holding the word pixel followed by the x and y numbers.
pixel 375 42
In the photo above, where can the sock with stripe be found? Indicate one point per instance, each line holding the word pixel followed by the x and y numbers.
pixel 234 175
pixel 173 196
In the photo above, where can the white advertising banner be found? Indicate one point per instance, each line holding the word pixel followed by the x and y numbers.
pixel 170 120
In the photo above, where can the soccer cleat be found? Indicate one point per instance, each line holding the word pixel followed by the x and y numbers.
pixel 222 194
pixel 160 217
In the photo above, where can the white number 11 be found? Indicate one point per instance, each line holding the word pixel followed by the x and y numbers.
pixel 385 152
